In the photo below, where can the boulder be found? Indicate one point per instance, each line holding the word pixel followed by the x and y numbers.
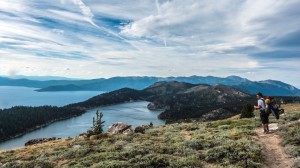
pixel 76 146
pixel 142 128
pixel 119 128
pixel 93 137
pixel 130 130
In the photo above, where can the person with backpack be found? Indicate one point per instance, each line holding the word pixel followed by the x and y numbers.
pixel 264 116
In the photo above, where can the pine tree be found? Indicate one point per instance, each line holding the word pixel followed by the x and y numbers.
pixel 247 111
pixel 98 124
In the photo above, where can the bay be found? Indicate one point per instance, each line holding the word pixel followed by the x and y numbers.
pixel 135 113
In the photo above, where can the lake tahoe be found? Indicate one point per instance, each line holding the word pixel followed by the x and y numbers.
pixel 134 114
pixel 16 96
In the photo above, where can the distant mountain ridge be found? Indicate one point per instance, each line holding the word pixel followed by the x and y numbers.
pixel 268 87
pixel 5 81
pixel 40 78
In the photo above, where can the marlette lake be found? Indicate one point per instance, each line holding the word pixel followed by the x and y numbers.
pixel 134 114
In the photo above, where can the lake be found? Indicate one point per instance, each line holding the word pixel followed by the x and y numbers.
pixel 13 96
pixel 134 114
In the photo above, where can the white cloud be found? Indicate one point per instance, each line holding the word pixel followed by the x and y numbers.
pixel 125 9
pixel 163 38
pixel 13 6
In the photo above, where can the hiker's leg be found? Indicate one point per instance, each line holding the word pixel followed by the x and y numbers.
pixel 267 123
pixel 264 128
pixel 262 121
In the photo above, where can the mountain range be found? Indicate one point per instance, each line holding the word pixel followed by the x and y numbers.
pixel 40 78
pixel 268 87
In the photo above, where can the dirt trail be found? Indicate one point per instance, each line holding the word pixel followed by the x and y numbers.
pixel 274 154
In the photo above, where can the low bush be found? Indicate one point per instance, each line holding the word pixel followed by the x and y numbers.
pixel 247 111
pixel 232 152
pixel 296 163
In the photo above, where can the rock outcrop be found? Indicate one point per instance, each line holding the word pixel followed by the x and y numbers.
pixel 120 128
pixel 142 128
pixel 39 140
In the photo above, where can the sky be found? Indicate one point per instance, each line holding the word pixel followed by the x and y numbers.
pixel 87 39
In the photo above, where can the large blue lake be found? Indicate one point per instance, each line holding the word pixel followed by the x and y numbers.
pixel 131 113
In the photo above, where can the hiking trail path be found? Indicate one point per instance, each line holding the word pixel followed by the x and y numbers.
pixel 273 152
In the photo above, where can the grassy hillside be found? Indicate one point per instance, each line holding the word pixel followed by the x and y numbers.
pixel 223 143
pixel 289 130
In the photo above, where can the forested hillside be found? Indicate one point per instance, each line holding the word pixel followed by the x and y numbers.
pixel 18 120
pixel 180 100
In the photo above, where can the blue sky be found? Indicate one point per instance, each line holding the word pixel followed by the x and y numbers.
pixel 103 38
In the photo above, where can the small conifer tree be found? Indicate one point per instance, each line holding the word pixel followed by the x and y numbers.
pixel 98 124
pixel 247 111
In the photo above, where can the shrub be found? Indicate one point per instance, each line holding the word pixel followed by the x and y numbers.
pixel 44 164
pixel 186 162
pixel 31 164
pixel 112 164
pixel 151 160
pixel 296 163
pixel 247 111
pixel 232 152
pixel 195 144
pixel 292 150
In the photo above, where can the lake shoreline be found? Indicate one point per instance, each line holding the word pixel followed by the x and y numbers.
pixel 39 127
pixel 50 122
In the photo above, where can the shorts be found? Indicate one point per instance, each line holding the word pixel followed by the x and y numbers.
pixel 264 116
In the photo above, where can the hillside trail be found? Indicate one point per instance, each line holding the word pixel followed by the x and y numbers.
pixel 273 152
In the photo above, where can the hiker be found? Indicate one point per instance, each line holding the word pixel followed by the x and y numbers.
pixel 264 116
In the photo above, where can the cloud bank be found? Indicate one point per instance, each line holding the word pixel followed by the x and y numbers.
pixel 99 38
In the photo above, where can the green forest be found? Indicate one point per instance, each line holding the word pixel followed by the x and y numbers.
pixel 20 119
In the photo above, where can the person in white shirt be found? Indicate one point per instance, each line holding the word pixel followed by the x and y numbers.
pixel 264 116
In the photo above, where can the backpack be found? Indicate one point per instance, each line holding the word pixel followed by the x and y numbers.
pixel 273 107
pixel 275 111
